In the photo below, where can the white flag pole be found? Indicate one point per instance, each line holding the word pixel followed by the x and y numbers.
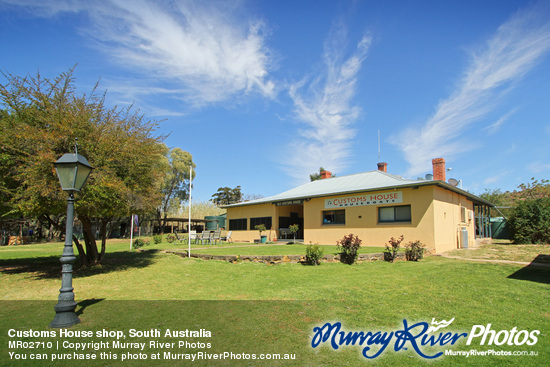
pixel 189 225
pixel 131 231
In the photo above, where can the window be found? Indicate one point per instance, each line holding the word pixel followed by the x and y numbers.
pixel 463 214
pixel 237 224
pixel 334 217
pixel 389 214
pixel 262 220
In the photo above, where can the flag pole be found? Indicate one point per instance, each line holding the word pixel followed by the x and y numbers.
pixel 189 225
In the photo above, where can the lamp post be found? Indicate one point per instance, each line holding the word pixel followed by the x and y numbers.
pixel 73 171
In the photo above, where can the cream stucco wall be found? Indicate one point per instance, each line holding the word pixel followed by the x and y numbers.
pixel 252 211
pixel 435 219
pixel 448 219
pixel 363 221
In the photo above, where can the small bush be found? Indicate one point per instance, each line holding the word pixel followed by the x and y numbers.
pixel 139 243
pixel 348 247
pixel 414 251
pixel 391 248
pixel 170 237
pixel 314 254
pixel 157 238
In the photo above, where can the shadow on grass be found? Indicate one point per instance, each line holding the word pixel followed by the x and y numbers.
pixel 86 303
pixel 537 271
pixel 49 267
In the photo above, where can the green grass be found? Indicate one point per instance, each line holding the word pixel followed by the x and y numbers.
pixel 258 308
pixel 503 250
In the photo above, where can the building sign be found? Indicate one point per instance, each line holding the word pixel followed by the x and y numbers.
pixel 289 202
pixel 365 199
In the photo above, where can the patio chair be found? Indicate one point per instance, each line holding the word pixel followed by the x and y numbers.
pixel 227 238
pixel 178 238
pixel 206 236
pixel 193 236
pixel 284 232
pixel 216 236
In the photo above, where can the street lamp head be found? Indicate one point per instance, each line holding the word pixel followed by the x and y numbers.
pixel 73 171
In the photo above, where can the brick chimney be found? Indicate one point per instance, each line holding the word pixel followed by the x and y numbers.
pixel 383 166
pixel 326 174
pixel 439 169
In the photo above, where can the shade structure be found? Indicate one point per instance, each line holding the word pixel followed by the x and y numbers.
pixel 73 171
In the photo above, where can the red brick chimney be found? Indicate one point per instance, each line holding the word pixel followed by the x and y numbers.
pixel 326 174
pixel 383 166
pixel 439 169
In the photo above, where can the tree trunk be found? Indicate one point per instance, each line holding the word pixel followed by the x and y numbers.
pixel 81 253
pixel 159 218
pixel 163 223
pixel 89 239
pixel 103 234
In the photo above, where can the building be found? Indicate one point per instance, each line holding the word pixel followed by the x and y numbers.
pixel 375 206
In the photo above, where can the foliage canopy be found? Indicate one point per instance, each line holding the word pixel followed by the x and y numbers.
pixel 40 120
pixel 227 195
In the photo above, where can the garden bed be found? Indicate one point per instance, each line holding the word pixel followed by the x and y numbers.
pixel 278 259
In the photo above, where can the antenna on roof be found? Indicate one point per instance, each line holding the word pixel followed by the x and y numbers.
pixel 378 145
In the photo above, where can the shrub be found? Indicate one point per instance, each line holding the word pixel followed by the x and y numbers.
pixel 170 237
pixel 294 229
pixel 314 254
pixel 157 238
pixel 348 247
pixel 139 243
pixel 391 250
pixel 530 221
pixel 414 251
pixel 260 228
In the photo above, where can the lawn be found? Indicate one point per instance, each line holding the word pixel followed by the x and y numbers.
pixel 258 308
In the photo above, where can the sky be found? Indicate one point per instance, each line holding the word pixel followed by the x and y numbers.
pixel 262 93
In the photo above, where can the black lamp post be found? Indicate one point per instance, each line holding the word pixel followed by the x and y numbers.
pixel 72 171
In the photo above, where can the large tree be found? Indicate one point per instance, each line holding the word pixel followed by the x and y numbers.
pixel 227 195
pixel 41 120
pixel 175 188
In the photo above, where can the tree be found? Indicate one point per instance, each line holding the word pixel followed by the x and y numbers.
pixel 175 188
pixel 502 200
pixel 226 196
pixel 41 120
pixel 530 218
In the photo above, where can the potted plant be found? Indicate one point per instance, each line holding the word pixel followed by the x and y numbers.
pixel 294 229
pixel 261 228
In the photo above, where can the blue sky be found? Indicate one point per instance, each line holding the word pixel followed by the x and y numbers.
pixel 262 93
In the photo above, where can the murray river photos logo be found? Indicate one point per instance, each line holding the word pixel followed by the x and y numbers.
pixel 417 336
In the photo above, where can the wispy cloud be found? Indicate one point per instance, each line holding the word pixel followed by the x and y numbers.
pixel 514 49
pixel 206 52
pixel 538 167
pixel 324 109
pixel 494 127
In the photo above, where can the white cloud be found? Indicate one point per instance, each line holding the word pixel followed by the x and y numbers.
pixel 323 107
pixel 494 127
pixel 206 51
pixel 513 50
pixel 538 167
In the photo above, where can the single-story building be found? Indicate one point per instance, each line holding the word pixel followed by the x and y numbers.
pixel 375 206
